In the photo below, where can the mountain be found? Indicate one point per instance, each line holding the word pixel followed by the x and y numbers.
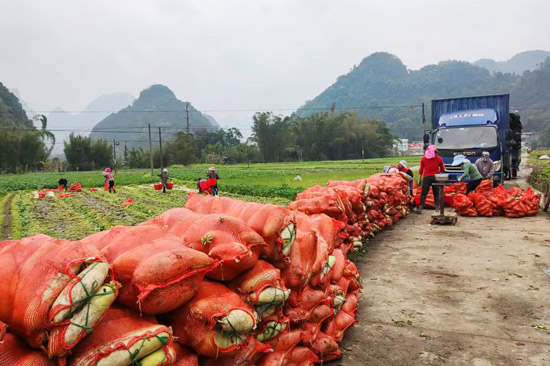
pixel 524 61
pixel 382 87
pixel 26 107
pixel 157 106
pixel 12 113
pixel 63 123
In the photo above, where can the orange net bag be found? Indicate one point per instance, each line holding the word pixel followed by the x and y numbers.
pixel 15 352
pixel 157 271
pixel 224 238
pixel 215 323
pixel 125 337
pixel 53 301
pixel 274 223
pixel 464 206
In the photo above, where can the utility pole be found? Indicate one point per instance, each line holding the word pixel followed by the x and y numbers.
pixel 160 142
pixel 187 118
pixel 150 149
pixel 424 128
pixel 114 152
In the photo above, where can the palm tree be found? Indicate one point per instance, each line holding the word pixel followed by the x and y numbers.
pixel 44 133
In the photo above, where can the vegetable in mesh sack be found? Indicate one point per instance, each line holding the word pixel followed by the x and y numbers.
pixel 336 326
pixel 184 356
pixel 157 271
pixel 312 326
pixel 483 206
pixel 262 287
pixel 274 223
pixel 215 323
pixel 360 184
pixel 252 351
pixel 53 301
pixel 125 338
pixel 301 304
pixel 485 187
pixel 348 197
pixel 15 352
pixel 463 205
pixel 329 205
pixel 302 258
pixel 326 348
pixel 224 238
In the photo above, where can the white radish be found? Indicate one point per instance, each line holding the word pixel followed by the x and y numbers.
pixel 237 321
pixel 138 350
pixel 288 234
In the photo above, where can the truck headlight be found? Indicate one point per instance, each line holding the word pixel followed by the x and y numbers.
pixel 496 166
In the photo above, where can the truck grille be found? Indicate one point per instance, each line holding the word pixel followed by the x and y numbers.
pixel 453 169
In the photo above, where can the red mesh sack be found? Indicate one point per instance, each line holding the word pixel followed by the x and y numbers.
pixel 350 306
pixel 224 238
pixel 326 348
pixel 262 287
pixel 329 229
pixel 515 192
pixel 302 356
pixel 353 275
pixel 329 205
pixel 15 352
pixel 215 323
pixel 184 356
pixel 312 326
pixel 531 201
pixel 337 325
pixel 360 184
pixel 483 206
pixel 485 187
pixel 53 301
pixel 301 304
pixel 274 223
pixel 248 355
pixel 282 347
pixel 157 271
pixel 125 337
pixel 345 195
pixel 464 206
pixel 2 331
pixel 302 257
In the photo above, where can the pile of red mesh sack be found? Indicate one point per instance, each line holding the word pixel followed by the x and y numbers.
pixel 219 282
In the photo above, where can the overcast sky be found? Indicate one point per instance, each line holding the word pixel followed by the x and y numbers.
pixel 242 54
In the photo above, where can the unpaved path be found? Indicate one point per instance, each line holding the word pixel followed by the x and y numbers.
pixel 468 294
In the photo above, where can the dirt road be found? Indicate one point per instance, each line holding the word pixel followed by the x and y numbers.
pixel 468 294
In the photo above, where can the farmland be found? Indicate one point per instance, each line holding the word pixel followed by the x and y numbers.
pixel 87 212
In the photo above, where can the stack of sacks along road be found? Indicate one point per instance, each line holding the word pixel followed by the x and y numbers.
pixel 303 290
pixel 488 202
pixel 53 293
pixel 220 282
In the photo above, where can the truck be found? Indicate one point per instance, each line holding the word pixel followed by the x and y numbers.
pixel 468 126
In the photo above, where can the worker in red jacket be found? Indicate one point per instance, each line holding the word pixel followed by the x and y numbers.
pixel 430 165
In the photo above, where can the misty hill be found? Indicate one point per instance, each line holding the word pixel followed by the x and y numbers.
pixel 63 123
pixel 26 107
pixel 12 113
pixel 382 87
pixel 157 106
pixel 524 61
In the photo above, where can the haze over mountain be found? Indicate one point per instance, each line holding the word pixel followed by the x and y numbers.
pixel 523 61
pixel 158 106
pixel 62 123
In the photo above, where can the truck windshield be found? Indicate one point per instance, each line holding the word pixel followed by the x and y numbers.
pixel 471 137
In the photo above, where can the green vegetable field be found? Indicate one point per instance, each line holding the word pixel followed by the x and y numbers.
pixel 23 214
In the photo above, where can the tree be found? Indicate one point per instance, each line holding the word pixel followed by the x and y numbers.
pixel 184 150
pixel 83 154
pixel 272 135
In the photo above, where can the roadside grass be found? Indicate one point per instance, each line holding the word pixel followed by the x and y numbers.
pixel 541 169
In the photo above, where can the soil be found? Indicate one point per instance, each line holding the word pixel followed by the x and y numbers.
pixel 6 224
pixel 468 294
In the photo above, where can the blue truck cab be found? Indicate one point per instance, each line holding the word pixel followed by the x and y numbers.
pixel 468 126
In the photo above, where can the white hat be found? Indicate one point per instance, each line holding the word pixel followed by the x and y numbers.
pixel 164 170
pixel 458 159
pixel 403 164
